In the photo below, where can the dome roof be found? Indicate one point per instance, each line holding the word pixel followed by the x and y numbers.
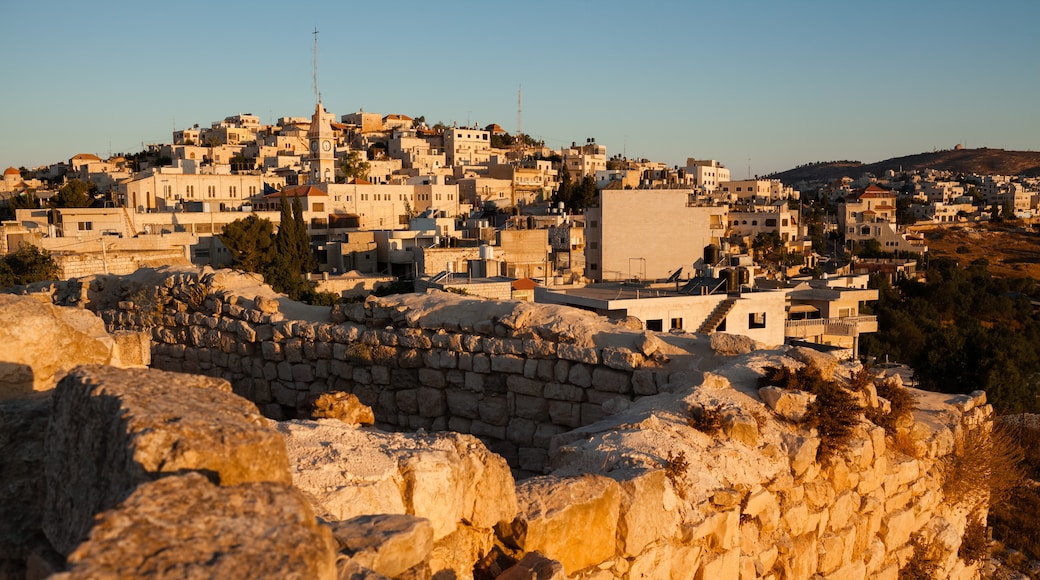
pixel 12 171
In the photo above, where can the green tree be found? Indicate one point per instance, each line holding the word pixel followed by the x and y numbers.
pixel 250 241
pixel 302 239
pixel 75 193
pixel 24 201
pixel 292 257
pixel 29 264
pixel 585 194
pixel 353 166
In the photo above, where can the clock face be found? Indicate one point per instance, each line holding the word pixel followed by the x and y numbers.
pixel 326 145
pixel 314 145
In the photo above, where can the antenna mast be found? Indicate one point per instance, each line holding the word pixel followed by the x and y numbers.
pixel 317 95
pixel 518 143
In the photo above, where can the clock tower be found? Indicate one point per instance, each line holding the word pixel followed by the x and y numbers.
pixel 322 147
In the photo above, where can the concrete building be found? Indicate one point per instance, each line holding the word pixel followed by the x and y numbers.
pixel 758 315
pixel 467 146
pixel 756 191
pixel 170 188
pixel 583 160
pixel 871 215
pixel 648 234
pixel 707 174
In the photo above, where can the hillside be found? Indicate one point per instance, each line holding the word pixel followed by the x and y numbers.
pixel 981 161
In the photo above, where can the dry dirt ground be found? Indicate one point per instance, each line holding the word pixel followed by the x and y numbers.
pixel 1013 251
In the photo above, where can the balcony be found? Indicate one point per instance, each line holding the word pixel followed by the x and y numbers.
pixel 843 326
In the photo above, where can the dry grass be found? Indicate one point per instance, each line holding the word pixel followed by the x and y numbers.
pixel 675 469
pixel 984 466
pixel 903 403
pixel 925 563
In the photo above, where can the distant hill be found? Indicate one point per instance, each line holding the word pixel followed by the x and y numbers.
pixel 982 161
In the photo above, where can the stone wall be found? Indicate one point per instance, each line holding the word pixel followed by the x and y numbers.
pixel 81 264
pixel 497 377
pixel 606 416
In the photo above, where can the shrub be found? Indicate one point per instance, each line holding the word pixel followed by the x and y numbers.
pixel 924 564
pixel 834 413
pixel 984 465
pixel 675 469
pixel 705 419
pixel 321 298
pixel 903 403
pixel 975 543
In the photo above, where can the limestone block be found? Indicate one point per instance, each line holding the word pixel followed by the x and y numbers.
pixel 896 528
pixel 481 363
pixel 534 566
pixel 389 544
pixel 726 565
pixel 731 344
pixel 611 381
pixel 184 526
pixel 521 431
pixel 649 511
pixel 563 392
pixel 844 506
pixel 524 386
pixel 565 413
pixel 578 354
pixel 132 348
pixel 802 452
pixel 796 519
pixel 456 555
pixel 447 478
pixel 579 375
pixel 644 383
pixel 138 424
pixel 43 342
pixel 495 410
pixel 622 359
pixel 535 408
pixel 507 363
pixel 538 348
pixel 823 361
pixel 722 530
pixel 432 378
pixel 831 549
pixel 463 403
pixel 573 520
pixel 740 426
pixel 266 305
pixel 792 405
pixel 561 371
pixel 345 407
pixel 764 506
pixel 647 343
pixel 431 402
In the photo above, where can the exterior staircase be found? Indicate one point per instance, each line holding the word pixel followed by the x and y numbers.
pixel 129 222
pixel 717 316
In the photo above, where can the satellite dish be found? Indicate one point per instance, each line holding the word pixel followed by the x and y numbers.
pixel 675 275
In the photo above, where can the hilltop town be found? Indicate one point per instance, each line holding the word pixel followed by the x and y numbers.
pixel 687 318
pixel 390 198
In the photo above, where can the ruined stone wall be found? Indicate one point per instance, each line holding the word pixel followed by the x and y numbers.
pixel 633 487
pixel 509 386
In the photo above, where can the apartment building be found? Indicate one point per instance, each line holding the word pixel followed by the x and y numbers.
pixel 467 146
pixel 756 220
pixel 706 174
pixel 648 234
pixel 872 215
pixel 169 188
pixel 756 191
pixel 587 159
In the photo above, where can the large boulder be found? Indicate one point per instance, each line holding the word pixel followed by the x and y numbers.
pixel 136 425
pixel 42 342
pixel 448 478
pixel 387 544
pixel 183 526
pixel 573 520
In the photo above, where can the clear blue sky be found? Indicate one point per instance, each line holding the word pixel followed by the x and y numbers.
pixel 776 83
